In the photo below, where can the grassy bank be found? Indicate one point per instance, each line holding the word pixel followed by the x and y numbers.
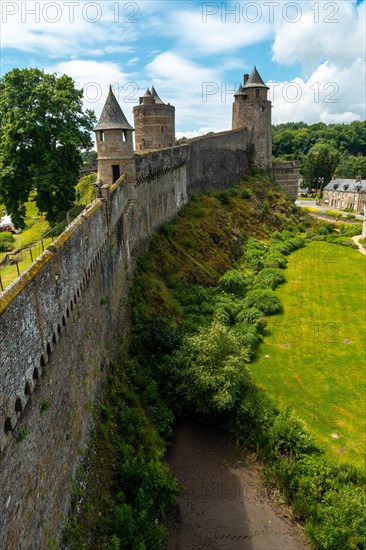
pixel 312 358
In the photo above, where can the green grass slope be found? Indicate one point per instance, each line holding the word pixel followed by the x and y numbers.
pixel 313 357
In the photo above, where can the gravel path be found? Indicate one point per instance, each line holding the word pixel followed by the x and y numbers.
pixel 224 506
pixel 360 247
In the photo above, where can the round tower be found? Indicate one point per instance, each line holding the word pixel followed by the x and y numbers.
pixel 252 109
pixel 114 142
pixel 154 122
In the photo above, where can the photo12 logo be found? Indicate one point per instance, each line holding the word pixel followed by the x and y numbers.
pixel 271 12
pixel 291 92
pixel 53 12
pixel 124 93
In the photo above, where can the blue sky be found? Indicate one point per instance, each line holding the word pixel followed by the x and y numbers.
pixel 311 53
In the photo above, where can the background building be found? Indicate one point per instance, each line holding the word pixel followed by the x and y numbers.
pixel 345 193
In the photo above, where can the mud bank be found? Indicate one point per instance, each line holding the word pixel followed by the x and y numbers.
pixel 223 506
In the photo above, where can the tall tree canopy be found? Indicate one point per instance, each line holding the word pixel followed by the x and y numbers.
pixel 320 165
pixel 297 138
pixel 42 130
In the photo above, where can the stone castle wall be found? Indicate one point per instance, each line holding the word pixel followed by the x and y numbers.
pixel 56 324
pixel 61 319
pixel 287 175
pixel 59 322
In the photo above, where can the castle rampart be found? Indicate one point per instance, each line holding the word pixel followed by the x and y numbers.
pixel 60 316
pixel 59 320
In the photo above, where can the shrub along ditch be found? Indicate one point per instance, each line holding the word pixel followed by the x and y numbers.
pixel 212 333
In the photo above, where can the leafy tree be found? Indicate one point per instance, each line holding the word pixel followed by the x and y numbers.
pixel 297 138
pixel 42 130
pixel 320 166
pixel 89 157
pixel 210 368
pixel 350 167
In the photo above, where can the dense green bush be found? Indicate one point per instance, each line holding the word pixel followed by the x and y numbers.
pixel 253 254
pixel 226 309
pixel 249 315
pixel 288 436
pixel 270 277
pixel 339 520
pixel 275 259
pixel 234 281
pixel 334 213
pixel 254 416
pixel 344 241
pixel 6 241
pixel 210 370
pixel 335 239
pixel 350 229
pixel 264 300
pixel 287 246
pixel 322 228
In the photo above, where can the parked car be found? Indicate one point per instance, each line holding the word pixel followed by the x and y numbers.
pixel 7 225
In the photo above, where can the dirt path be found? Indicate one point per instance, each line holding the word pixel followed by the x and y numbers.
pixel 223 507
pixel 360 247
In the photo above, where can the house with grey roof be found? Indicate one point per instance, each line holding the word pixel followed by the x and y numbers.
pixel 345 193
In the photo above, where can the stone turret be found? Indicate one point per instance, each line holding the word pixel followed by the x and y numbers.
pixel 154 122
pixel 252 109
pixel 114 142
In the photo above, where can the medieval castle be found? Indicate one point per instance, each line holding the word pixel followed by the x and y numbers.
pixel 155 128
pixel 59 320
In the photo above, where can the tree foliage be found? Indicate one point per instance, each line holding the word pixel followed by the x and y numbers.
pixel 42 130
pixel 350 167
pixel 211 368
pixel 320 166
pixel 295 139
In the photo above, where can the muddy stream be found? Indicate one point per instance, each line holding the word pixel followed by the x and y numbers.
pixel 224 506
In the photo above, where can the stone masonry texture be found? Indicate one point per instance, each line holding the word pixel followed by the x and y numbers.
pixel 61 319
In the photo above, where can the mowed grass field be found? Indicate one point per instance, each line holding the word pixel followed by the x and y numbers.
pixel 313 356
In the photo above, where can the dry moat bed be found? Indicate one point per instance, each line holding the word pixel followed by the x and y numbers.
pixel 224 506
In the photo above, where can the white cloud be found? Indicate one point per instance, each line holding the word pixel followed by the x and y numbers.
pixel 63 29
pixel 211 34
pixel 325 31
pixel 331 94
pixel 198 93
pixel 194 133
pixel 133 61
pixel 95 78
pixel 194 74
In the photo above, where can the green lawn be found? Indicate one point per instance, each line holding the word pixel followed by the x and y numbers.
pixel 313 357
pixel 36 227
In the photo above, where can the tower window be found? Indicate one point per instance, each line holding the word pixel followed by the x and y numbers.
pixel 162 129
pixel 124 135
pixel 101 135
pixel 257 93
pixel 115 172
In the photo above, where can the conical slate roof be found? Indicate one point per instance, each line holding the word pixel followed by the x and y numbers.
pixel 239 91
pixel 255 81
pixel 158 101
pixel 147 93
pixel 112 117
